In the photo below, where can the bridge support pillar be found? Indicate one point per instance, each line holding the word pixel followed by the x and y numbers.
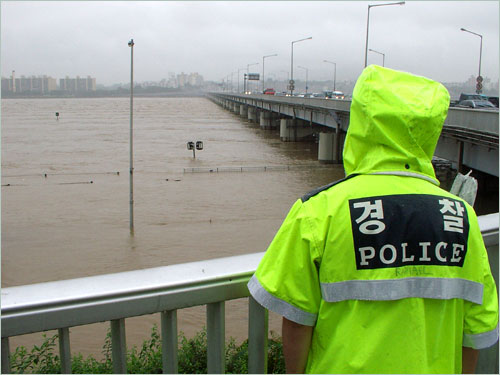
pixel 236 108
pixel 294 130
pixel 275 121
pixel 252 114
pixel 265 120
pixel 330 147
pixel 244 111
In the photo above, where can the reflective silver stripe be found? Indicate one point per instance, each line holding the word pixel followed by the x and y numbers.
pixel 279 306
pixel 408 174
pixel 420 287
pixel 481 340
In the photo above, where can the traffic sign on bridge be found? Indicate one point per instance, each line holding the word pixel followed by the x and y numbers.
pixel 479 85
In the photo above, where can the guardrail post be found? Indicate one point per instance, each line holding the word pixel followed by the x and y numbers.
pixel 5 356
pixel 169 341
pixel 118 346
pixel 216 337
pixel 257 337
pixel 64 350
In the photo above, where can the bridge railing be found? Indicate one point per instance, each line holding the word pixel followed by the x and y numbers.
pixel 60 305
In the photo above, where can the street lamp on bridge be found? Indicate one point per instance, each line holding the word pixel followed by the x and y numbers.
pixel 368 24
pixel 334 72
pixel 307 73
pixel 479 85
pixel 263 61
pixel 232 86
pixel 239 78
pixel 248 72
pixel 287 78
pixel 380 53
pixel 291 66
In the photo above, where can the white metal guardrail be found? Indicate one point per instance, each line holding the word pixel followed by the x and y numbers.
pixel 114 297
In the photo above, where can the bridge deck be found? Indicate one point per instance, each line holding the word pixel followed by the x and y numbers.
pixel 469 136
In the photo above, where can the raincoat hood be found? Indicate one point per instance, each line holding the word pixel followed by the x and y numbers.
pixel 395 122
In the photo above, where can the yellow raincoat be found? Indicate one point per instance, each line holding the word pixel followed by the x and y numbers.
pixel 390 269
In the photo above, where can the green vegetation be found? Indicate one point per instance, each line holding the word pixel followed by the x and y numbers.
pixel 192 357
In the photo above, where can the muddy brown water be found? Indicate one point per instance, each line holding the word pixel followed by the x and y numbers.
pixel 74 222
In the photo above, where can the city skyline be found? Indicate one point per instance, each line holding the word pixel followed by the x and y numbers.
pixel 173 81
pixel 220 39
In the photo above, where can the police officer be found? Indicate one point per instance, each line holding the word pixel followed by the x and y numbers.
pixel 383 271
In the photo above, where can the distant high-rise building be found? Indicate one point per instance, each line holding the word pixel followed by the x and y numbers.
pixel 77 84
pixel 91 85
pixel 195 79
pixel 182 79
pixel 46 84
pixel 41 84
pixel 13 86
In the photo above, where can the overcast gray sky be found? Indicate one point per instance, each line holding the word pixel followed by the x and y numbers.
pixel 216 39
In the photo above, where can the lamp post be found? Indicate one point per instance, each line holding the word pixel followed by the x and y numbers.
pixel 291 65
pixel 479 80
pixel 334 72
pixel 287 78
pixel 368 24
pixel 239 78
pixel 307 73
pixel 131 45
pixel 380 53
pixel 263 61
pixel 248 72
pixel 232 86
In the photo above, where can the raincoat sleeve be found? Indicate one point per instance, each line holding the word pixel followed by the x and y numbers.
pixel 481 320
pixel 287 281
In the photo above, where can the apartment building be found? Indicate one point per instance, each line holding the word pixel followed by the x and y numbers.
pixel 77 84
pixel 41 84
pixel 45 84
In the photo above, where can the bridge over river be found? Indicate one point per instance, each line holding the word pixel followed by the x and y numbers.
pixel 469 138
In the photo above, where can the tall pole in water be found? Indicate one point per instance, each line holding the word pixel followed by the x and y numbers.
pixel 131 45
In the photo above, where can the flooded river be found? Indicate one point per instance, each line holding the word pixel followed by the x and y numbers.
pixel 65 195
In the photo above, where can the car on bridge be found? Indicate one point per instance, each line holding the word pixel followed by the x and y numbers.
pixel 493 100
pixel 464 96
pixel 333 95
pixel 477 104
pixel 269 92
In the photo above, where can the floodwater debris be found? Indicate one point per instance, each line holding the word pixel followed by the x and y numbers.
pixel 76 183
